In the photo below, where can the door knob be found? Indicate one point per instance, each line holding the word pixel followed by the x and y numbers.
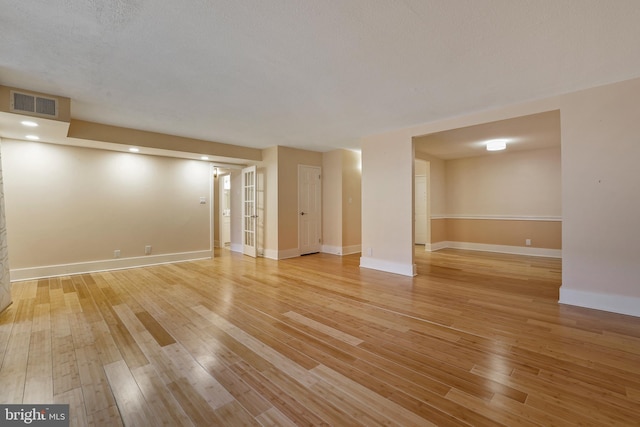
pixel 301 213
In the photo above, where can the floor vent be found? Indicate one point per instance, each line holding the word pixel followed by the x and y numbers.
pixel 32 104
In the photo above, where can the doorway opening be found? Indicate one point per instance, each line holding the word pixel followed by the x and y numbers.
pixel 225 211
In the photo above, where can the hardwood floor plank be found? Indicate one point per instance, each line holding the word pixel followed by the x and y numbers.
pixel 293 369
pixel 7 319
pixel 193 404
pixel 285 403
pixel 475 339
pixel 105 417
pixel 308 398
pixel 39 379
pixel 159 398
pixel 14 368
pixel 234 414
pixel 75 400
pixel 274 418
pixel 130 400
pixel 633 393
pixel 252 401
pixel 487 409
pixel 323 328
pixel 359 411
pixel 376 402
pixel 155 329
pixel 207 386
pixel 95 387
pixel 66 376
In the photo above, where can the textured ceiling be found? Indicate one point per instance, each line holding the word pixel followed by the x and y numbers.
pixel 309 74
pixel 533 132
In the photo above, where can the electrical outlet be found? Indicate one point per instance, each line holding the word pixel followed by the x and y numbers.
pixel 147 250
pixel 527 242
pixel 116 253
pixel 369 251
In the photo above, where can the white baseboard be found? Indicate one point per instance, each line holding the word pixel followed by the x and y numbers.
pixel 329 249
pixel 287 253
pixel 432 247
pixel 501 217
pixel 341 250
pixel 31 273
pixel 350 250
pixel 388 266
pixel 270 253
pixel 620 304
pixel 505 249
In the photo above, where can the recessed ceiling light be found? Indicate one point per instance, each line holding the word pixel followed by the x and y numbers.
pixel 496 144
pixel 204 158
pixel 33 137
pixel 29 123
pixel 134 149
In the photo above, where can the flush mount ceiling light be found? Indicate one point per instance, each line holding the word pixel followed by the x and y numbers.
pixel 29 123
pixel 33 137
pixel 134 149
pixel 496 144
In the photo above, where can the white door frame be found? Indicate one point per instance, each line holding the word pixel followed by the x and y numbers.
pixel 249 211
pixel 224 221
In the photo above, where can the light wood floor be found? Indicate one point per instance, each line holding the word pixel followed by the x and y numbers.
pixel 476 339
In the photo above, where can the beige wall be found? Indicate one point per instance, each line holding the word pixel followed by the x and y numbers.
pixel 520 183
pixel 268 172
pixel 341 201
pixel 351 199
pixel 71 205
pixel 542 234
pixel 508 185
pixel 92 131
pixel 439 230
pixel 332 199
pixel 600 210
pixel 438 191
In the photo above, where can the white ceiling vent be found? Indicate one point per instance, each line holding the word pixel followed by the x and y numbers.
pixel 32 104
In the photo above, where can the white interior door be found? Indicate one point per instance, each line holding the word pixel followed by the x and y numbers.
pixel 309 209
pixel 249 215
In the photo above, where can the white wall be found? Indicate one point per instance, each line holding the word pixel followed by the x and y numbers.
pixel 387 203
pixel 5 282
pixel 601 198
pixel 600 207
